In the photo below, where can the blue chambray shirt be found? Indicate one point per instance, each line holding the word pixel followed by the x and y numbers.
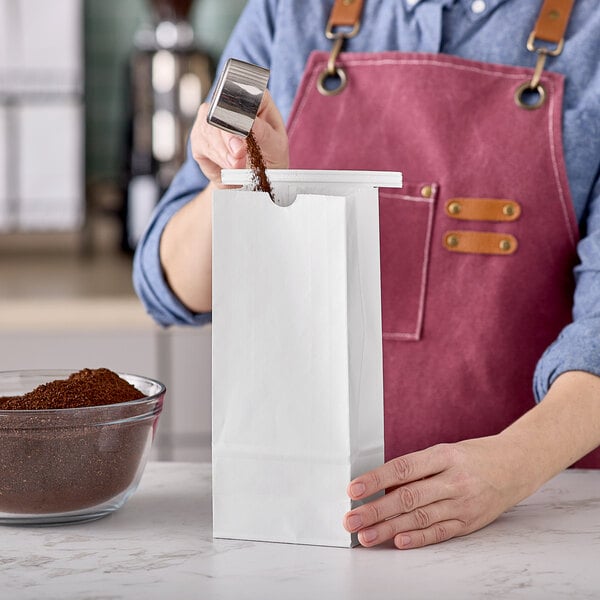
pixel 280 34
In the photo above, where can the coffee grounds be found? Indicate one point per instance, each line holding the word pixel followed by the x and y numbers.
pixel 260 181
pixel 88 387
pixel 52 463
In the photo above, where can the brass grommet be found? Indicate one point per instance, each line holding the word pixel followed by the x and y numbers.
pixel 504 245
pixel 508 210
pixel 325 74
pixel 426 191
pixel 452 241
pixel 526 87
pixel 454 208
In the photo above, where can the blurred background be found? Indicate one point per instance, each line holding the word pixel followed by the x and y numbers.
pixel 96 101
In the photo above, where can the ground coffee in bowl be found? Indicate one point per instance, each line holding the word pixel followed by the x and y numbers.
pixel 88 387
pixel 72 446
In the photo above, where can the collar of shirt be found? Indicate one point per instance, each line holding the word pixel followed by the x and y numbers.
pixel 474 9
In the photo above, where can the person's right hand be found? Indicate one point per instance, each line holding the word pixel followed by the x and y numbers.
pixel 214 149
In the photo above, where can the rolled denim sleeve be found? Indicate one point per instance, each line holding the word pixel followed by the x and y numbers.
pixel 578 346
pixel 148 277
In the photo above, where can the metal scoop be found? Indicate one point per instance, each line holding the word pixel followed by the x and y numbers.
pixel 237 97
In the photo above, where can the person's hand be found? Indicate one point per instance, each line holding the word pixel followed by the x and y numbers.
pixel 214 149
pixel 433 495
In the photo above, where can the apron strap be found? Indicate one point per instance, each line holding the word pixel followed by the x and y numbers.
pixel 344 14
pixel 552 24
pixel 550 28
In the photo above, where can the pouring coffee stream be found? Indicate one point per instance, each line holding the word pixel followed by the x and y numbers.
pixel 234 107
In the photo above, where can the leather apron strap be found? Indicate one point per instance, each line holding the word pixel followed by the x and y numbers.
pixel 345 13
pixel 550 26
pixel 552 21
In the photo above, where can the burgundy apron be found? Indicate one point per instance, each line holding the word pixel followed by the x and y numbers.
pixel 477 249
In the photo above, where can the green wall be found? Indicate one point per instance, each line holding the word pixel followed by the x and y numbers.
pixel 110 26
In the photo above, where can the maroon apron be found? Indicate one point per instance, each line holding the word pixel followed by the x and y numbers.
pixel 477 249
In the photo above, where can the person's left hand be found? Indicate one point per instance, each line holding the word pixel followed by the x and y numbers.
pixel 433 495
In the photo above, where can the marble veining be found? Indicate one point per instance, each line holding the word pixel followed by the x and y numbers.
pixel 159 545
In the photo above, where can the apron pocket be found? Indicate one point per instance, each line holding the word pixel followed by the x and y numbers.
pixel 405 223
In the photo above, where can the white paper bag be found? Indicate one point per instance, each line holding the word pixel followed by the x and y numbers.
pixel 297 357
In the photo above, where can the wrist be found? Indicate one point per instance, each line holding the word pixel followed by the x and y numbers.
pixel 560 430
pixel 529 469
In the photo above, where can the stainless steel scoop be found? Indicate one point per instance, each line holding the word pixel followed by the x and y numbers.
pixel 237 96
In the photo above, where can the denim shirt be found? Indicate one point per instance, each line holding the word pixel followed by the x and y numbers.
pixel 280 34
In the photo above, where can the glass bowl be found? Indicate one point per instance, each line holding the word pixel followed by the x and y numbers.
pixel 72 464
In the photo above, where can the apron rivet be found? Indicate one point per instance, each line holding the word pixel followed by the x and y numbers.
pixel 426 191
pixel 452 241
pixel 508 210
pixel 454 208
pixel 504 245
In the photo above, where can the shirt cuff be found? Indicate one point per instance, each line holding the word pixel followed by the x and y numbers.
pixel 576 349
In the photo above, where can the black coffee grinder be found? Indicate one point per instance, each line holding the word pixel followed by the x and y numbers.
pixel 169 76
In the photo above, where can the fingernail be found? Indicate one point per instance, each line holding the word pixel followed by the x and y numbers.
pixel 354 522
pixel 404 541
pixel 357 489
pixel 235 144
pixel 368 535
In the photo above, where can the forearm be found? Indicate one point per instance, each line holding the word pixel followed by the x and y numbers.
pixel 186 252
pixel 564 427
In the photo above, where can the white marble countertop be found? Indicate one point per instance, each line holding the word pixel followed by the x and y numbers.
pixel 159 546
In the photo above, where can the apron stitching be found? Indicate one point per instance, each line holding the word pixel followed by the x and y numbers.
pixel 409 198
pixel 418 62
pixel 425 269
pixel 344 61
pixel 316 69
pixel 397 336
pixel 556 171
